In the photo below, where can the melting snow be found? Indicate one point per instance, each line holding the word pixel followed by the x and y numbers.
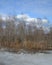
pixel 7 58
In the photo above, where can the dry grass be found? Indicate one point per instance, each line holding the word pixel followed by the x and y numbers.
pixel 32 45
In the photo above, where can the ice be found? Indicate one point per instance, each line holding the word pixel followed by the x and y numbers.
pixel 7 58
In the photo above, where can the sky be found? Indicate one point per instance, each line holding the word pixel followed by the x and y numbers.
pixel 34 8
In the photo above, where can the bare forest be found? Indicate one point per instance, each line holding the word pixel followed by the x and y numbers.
pixel 16 35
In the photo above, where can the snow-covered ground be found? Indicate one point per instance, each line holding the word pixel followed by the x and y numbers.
pixel 7 58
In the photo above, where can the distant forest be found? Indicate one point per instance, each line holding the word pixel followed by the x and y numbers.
pixel 15 35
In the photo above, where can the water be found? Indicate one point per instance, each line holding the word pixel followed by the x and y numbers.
pixel 7 58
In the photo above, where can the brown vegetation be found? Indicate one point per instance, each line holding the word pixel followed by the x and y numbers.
pixel 16 37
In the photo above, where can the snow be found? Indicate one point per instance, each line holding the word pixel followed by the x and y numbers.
pixel 7 58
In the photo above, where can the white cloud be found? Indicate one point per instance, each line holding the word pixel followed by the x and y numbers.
pixel 3 18
pixel 28 19
pixel 23 16
pixel 38 22
pixel 44 20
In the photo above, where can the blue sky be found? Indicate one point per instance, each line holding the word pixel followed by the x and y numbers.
pixel 34 8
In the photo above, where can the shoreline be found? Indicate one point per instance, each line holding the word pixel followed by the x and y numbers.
pixel 26 51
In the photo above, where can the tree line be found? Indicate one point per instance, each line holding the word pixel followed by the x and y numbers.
pixel 15 34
